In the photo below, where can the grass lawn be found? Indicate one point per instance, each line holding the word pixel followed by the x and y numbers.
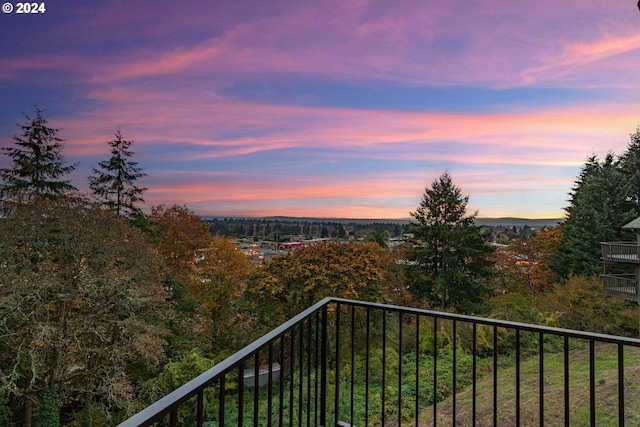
pixel 606 392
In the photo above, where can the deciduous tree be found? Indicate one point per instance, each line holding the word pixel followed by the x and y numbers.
pixel 81 298
pixel 182 236
pixel 221 273
pixel 207 274
pixel 290 283
pixel 524 266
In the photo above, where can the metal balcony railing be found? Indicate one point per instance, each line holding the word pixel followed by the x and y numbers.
pixel 344 362
pixel 625 252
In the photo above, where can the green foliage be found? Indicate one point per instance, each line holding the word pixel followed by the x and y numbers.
pixel 378 235
pixel 48 413
pixel 179 372
pixel 383 395
pixel 114 183
pixel 5 411
pixel 580 304
pixel 95 416
pixel 182 336
pixel 38 163
pixel 514 307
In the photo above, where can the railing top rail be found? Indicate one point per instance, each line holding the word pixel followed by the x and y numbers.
pixel 635 342
pixel 627 243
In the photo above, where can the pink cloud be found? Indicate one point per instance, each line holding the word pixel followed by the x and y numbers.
pixel 184 118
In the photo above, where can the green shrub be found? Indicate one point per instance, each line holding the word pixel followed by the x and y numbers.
pixel 48 412
pixel 5 411
pixel 581 304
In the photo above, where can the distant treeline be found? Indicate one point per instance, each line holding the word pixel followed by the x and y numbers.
pixel 284 229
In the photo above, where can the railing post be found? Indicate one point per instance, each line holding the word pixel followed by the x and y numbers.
pixel 323 369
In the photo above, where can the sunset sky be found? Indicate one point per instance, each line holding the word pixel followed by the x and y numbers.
pixel 331 108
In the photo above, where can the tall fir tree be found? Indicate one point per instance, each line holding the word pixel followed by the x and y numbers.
pixel 38 164
pixel 450 254
pixel 114 183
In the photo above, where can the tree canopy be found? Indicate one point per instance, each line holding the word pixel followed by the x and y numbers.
pixel 81 298
pixel 206 275
pixel 38 165
pixel 289 283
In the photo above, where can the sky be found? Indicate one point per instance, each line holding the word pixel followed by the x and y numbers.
pixel 331 109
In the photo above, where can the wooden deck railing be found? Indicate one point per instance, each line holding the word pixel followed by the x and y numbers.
pixel 621 285
pixel 625 252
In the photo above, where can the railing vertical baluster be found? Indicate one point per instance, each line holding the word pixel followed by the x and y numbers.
pixel 270 384
pixel 292 373
pixel 281 384
pixel 353 362
pixel 301 373
pixel 309 334
pixel 316 369
pixel 221 399
pixel 256 395
pixel 384 363
pixel 366 368
pixel 435 371
pixel 495 376
pixel 566 382
pixel 241 393
pixel 417 396
pixel 200 409
pixel 620 385
pixel 454 370
pixel 474 373
pixel 592 382
pixel 399 369
pixel 517 377
pixel 541 376
pixel 337 381
pixel 323 369
pixel 173 418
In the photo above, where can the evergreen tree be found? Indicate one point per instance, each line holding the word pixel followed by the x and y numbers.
pixel 378 235
pixel 38 163
pixel 114 182
pixel 630 164
pixel 450 253
pixel 600 205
